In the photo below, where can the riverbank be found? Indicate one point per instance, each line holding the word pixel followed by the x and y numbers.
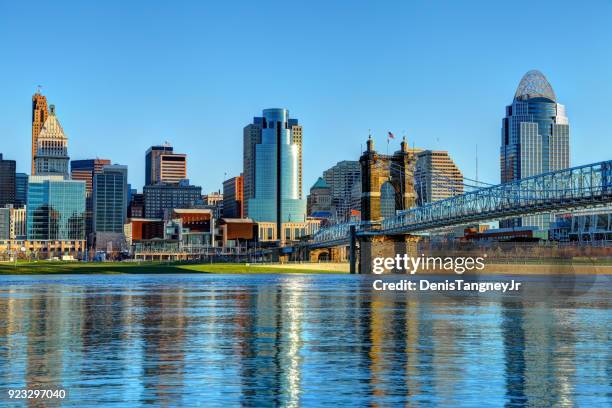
pixel 56 268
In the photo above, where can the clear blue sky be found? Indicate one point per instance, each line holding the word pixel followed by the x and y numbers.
pixel 125 75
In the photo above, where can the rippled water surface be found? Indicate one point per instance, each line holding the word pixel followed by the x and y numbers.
pixel 302 340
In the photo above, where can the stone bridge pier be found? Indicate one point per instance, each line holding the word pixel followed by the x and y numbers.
pixel 332 254
pixel 385 246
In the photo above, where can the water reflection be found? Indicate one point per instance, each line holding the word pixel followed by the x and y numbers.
pixel 298 341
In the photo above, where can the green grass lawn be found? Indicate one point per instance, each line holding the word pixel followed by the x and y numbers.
pixel 46 267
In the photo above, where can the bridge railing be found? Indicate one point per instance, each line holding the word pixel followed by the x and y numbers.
pixel 338 232
pixel 574 187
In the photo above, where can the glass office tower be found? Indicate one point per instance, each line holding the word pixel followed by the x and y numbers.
pixel 21 189
pixel 55 209
pixel 278 195
pixel 110 190
pixel 535 138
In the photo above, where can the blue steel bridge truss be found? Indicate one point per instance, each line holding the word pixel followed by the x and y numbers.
pixel 577 187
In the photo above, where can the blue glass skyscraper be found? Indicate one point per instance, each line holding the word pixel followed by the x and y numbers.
pixel 277 194
pixel 534 139
pixel 55 209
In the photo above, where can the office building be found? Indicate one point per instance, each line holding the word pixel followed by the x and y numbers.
pixel 55 209
pixel 534 138
pixel 277 193
pixel 21 189
pixel 233 197
pixel 344 180
pixel 52 148
pixel 136 206
pixel 7 181
pixel 40 112
pixel 319 201
pixel 251 138
pixel 213 201
pixel 162 165
pixel 5 223
pixel 85 170
pixel 296 139
pixel 162 198
pixel 172 168
pixel 12 223
pixel 110 199
pixel 18 223
pixel 436 177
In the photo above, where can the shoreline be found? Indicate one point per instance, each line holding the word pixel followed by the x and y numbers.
pixel 80 268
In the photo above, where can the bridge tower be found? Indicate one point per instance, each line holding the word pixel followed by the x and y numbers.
pixel 393 173
pixel 377 170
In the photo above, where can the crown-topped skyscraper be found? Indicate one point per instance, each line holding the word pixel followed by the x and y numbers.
pixel 535 138
pixel 51 157
pixel 40 112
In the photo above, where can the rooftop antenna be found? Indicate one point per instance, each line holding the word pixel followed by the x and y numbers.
pixel 38 88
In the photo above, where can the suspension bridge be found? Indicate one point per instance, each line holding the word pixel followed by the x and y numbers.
pixel 568 189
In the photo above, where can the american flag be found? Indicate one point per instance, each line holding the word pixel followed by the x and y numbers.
pixel 391 135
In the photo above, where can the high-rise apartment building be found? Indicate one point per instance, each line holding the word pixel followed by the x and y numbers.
pixel 110 199
pixel 7 181
pixel 436 177
pixel 277 186
pixel 21 189
pixel 55 209
pixel 344 180
pixel 40 112
pixel 162 165
pixel 85 170
pixel 534 138
pixel 233 197
pixel 52 148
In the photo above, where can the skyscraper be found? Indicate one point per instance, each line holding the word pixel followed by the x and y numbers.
pixel 436 177
pixel 85 170
pixel 7 181
pixel 344 179
pixel 233 198
pixel 172 167
pixel 40 113
pixel 251 138
pixel 110 199
pixel 51 156
pixel 534 138
pixel 277 186
pixel 162 165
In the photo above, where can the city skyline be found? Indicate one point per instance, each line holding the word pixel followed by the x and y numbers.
pixel 394 85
